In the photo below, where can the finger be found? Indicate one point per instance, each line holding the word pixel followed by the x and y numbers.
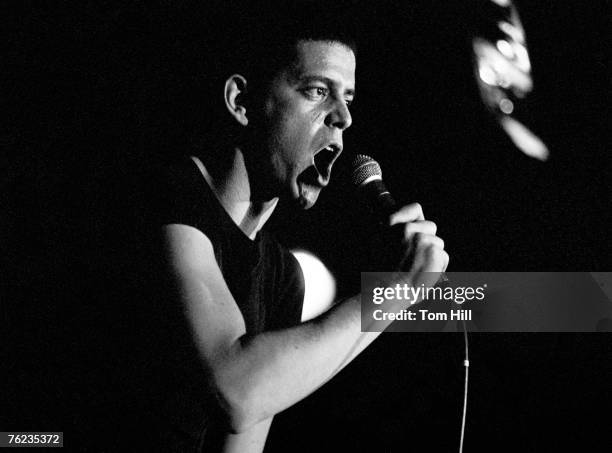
pixel 436 260
pixel 423 241
pixel 409 213
pixel 430 258
pixel 418 248
pixel 420 226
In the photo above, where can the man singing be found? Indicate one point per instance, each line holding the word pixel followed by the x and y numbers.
pixel 285 110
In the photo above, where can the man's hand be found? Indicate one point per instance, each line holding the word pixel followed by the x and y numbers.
pixel 415 257
pixel 423 255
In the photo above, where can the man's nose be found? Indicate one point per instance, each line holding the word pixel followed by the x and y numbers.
pixel 339 116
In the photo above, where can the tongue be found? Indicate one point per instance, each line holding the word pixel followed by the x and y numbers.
pixel 322 165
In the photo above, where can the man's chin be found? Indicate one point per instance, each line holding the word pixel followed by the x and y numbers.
pixel 308 196
pixel 305 204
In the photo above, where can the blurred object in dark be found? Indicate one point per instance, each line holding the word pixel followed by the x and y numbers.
pixel 503 73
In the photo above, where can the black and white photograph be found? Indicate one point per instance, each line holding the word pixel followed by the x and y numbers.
pixel 220 222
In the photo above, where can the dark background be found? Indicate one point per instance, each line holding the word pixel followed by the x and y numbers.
pixel 74 136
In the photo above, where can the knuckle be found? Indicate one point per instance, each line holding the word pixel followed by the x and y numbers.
pixel 435 250
pixel 400 216
pixel 418 208
pixel 434 227
pixel 445 259
pixel 439 258
pixel 410 229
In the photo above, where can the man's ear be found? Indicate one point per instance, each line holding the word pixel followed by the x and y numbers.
pixel 235 99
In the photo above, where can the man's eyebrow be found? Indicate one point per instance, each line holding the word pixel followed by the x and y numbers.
pixel 307 78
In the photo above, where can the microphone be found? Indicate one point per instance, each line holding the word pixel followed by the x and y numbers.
pixel 367 176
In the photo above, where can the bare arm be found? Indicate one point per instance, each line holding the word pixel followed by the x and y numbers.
pixel 255 377
pixel 258 376
pixel 252 440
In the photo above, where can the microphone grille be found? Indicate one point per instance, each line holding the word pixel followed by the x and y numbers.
pixel 364 170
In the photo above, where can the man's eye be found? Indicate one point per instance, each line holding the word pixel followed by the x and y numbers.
pixel 316 93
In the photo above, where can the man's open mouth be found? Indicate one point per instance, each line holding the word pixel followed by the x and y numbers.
pixel 323 161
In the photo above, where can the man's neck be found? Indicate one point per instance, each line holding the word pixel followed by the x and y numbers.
pixel 233 190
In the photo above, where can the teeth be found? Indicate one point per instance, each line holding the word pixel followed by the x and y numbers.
pixel 330 148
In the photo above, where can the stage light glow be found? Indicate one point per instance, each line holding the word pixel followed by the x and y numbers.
pixel 502 3
pixel 505 48
pixel 487 74
pixel 506 106
pixel 515 33
pixel 522 57
pixel 320 285
pixel 524 139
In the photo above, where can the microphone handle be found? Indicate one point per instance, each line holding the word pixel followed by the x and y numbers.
pixel 383 203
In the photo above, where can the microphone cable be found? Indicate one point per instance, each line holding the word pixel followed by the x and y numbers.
pixel 466 364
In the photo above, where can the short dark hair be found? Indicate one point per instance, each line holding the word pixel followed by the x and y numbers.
pixel 197 46
pixel 264 40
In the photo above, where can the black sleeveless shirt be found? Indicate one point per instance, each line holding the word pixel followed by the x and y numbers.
pixel 265 280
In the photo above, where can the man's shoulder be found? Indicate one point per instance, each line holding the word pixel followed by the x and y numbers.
pixel 179 174
pixel 181 196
